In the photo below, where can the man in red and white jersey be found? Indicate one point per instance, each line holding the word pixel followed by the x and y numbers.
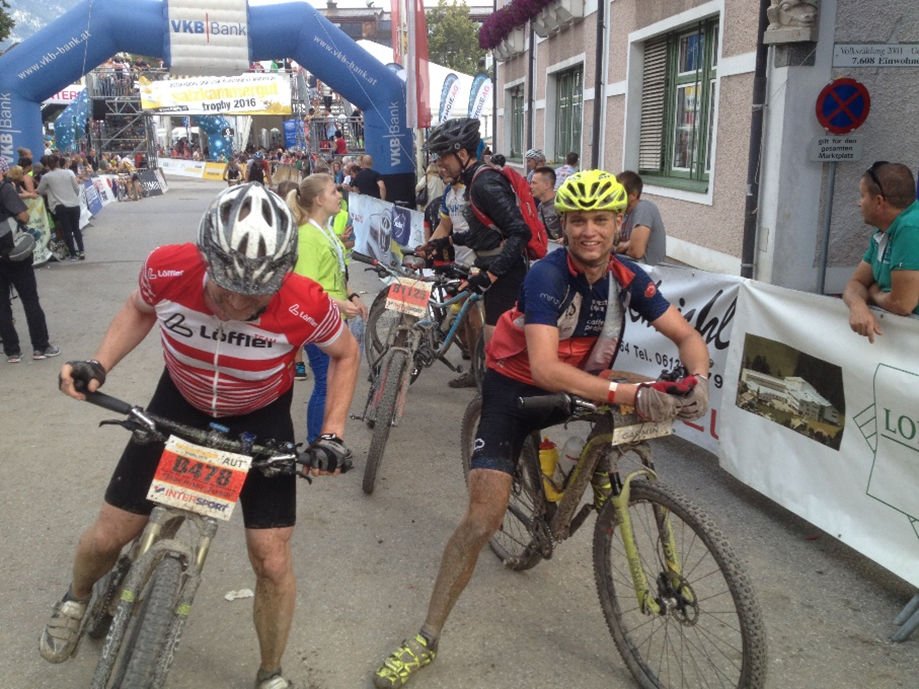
pixel 231 317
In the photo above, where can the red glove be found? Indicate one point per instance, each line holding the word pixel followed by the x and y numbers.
pixel 680 387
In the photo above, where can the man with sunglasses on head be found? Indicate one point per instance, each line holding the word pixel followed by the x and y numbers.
pixel 888 275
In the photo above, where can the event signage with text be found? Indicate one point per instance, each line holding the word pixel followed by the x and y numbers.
pixel 247 94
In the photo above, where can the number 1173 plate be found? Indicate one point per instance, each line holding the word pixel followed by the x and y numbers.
pixel 199 479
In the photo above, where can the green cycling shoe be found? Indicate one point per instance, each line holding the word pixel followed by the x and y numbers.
pixel 405 661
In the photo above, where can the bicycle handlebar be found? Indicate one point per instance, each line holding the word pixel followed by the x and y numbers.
pixel 268 456
pixel 559 401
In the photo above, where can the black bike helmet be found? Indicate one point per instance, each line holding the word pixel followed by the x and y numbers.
pixel 454 135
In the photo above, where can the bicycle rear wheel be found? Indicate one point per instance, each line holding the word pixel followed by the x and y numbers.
pixel 513 543
pixel 392 372
pixel 379 324
pixel 99 615
pixel 148 650
pixel 710 631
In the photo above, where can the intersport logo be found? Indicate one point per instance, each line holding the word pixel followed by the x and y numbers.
pixel 208 28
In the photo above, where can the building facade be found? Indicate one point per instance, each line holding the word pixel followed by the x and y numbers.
pixel 675 83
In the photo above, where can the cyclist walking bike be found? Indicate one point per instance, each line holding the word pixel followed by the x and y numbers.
pixel 231 320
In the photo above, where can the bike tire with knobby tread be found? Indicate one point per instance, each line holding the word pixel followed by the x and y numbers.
pixel 374 340
pixel 727 618
pixel 513 543
pixel 153 623
pixel 392 371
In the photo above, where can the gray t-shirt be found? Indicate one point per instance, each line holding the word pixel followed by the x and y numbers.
pixel 646 213
pixel 61 188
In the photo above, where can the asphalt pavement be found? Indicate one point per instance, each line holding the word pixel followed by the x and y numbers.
pixel 365 565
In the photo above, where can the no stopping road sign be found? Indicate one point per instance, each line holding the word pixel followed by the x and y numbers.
pixel 843 106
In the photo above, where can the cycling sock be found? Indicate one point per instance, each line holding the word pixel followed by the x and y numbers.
pixel 430 638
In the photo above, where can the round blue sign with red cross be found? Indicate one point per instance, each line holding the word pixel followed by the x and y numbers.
pixel 843 106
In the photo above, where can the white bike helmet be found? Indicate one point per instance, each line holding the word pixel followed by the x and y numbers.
pixel 248 239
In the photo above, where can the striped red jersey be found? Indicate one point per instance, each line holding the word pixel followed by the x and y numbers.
pixel 228 368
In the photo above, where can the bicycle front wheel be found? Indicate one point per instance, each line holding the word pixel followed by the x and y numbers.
pixel 380 323
pixel 513 543
pixel 148 651
pixel 709 631
pixel 392 372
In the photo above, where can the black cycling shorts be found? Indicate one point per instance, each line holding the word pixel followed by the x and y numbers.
pixel 503 427
pixel 267 503
pixel 505 291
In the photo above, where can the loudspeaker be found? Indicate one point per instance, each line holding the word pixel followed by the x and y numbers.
pixel 99 109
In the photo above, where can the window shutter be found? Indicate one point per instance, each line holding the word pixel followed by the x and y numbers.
pixel 653 91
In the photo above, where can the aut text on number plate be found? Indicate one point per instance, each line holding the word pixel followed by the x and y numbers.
pixel 199 479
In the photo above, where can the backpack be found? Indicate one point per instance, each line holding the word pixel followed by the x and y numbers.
pixel 538 246
pixel 256 172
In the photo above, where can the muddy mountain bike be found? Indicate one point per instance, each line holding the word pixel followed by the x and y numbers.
pixel 382 317
pixel 140 607
pixel 411 341
pixel 676 599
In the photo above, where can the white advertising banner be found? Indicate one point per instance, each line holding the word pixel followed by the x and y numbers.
pixel 208 37
pixel 380 227
pixel 247 94
pixel 707 300
pixel 181 167
pixel 826 423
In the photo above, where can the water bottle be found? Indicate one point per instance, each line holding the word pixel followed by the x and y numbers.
pixel 548 465
pixel 570 455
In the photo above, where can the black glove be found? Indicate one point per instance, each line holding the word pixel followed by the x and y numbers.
pixel 328 453
pixel 480 282
pixel 695 404
pixel 84 371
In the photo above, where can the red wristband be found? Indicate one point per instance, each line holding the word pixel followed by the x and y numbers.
pixel 611 394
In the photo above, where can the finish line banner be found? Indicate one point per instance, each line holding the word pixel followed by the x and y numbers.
pixel 825 423
pixel 247 94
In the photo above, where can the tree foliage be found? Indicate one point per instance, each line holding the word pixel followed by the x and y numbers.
pixel 6 21
pixel 453 37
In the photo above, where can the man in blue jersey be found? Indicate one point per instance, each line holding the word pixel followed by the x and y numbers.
pixel 562 335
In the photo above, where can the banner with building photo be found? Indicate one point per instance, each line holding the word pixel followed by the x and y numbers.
pixel 708 301
pixel 825 423
pixel 254 93
pixel 382 228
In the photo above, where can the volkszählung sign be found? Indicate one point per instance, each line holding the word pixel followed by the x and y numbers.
pixel 876 55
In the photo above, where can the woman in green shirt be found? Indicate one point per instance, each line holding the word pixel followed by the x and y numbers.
pixel 321 257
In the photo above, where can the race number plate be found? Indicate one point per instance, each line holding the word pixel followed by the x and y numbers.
pixel 409 296
pixel 199 479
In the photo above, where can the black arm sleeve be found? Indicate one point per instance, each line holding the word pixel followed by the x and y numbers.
pixel 494 196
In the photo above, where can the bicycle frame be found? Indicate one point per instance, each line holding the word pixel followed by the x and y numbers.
pixel 564 521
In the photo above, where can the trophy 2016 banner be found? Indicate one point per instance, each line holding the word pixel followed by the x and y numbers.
pixel 825 423
pixel 246 94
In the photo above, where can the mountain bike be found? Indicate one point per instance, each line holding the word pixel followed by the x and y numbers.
pixel 140 607
pixel 412 340
pixel 676 598
pixel 381 320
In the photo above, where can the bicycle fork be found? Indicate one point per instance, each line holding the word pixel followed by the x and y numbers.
pixel 151 548
pixel 648 603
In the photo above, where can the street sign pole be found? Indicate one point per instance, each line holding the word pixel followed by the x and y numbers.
pixel 827 221
pixel 842 107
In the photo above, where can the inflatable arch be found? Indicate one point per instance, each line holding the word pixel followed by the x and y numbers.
pixel 91 32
